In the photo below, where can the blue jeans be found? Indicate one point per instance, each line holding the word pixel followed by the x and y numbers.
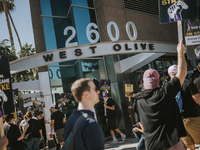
pixel 33 144
pixel 140 138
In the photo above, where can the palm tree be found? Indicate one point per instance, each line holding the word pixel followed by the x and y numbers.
pixel 10 7
pixel 6 7
pixel 27 51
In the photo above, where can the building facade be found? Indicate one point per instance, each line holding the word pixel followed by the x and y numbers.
pixel 125 24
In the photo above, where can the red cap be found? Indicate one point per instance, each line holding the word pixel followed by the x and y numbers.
pixel 150 78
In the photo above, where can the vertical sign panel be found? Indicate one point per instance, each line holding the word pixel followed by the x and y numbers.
pixel 192 38
pixel 6 95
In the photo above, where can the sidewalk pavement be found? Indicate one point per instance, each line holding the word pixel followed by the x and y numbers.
pixel 129 144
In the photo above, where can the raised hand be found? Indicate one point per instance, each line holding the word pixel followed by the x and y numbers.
pixel 181 48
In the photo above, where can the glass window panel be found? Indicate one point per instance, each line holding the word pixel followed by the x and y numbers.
pixel 85 3
pixel 167 63
pixel 147 66
pixel 174 62
pixel 158 64
pixel 89 65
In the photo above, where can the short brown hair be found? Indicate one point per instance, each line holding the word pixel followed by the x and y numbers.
pixel 198 66
pixel 79 86
pixel 28 114
pixel 9 117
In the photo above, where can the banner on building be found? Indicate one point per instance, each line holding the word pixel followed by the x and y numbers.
pixel 192 38
pixel 175 10
pixel 28 104
pixel 128 90
pixel 6 95
pixel 105 88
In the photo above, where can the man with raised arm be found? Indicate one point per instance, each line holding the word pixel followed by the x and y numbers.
pixel 158 111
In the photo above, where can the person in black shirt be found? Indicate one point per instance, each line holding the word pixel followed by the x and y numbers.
pixel 111 119
pixel 89 135
pixel 197 80
pixel 158 111
pixel 57 123
pixel 191 114
pixel 40 117
pixel 36 129
pixel 13 134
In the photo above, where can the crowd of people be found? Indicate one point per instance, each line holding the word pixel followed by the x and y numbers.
pixel 163 122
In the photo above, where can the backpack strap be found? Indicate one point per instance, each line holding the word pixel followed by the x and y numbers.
pixel 77 124
pixel 80 119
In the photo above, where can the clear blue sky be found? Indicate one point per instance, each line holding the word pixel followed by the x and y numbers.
pixel 22 20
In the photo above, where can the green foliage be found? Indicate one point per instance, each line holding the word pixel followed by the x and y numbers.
pixel 27 50
pixel 7 50
pixel 10 5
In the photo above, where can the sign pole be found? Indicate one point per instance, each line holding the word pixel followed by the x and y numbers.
pixel 180 30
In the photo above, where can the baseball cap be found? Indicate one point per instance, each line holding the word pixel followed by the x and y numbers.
pixel 53 105
pixel 150 78
pixel 172 69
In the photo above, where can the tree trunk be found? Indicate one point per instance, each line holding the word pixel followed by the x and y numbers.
pixel 16 34
pixel 8 23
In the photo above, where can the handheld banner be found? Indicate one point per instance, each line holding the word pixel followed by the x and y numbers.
pixel 128 90
pixel 16 99
pixel 175 10
pixel 28 104
pixel 105 88
pixel 6 95
pixel 63 100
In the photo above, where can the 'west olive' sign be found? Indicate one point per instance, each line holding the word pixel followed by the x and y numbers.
pixel 90 50
pixel 94 49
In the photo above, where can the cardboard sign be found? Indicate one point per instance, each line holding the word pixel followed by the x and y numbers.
pixel 6 95
pixel 16 99
pixel 128 90
pixel 105 88
pixel 63 100
pixel 175 10
pixel 28 104
pixel 192 38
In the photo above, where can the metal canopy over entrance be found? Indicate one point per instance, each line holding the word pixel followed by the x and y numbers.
pixel 92 50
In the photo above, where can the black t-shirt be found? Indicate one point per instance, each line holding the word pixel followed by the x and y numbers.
pixel 12 133
pixel 160 116
pixel 42 123
pixel 110 114
pixel 89 135
pixel 197 83
pixel 34 127
pixel 190 107
pixel 58 116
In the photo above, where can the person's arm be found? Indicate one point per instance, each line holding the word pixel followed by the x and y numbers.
pixel 196 98
pixel 111 108
pixel 64 120
pixel 182 66
pixel 40 134
pixel 52 126
pixel 3 142
pixel 23 132
pixel 136 129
